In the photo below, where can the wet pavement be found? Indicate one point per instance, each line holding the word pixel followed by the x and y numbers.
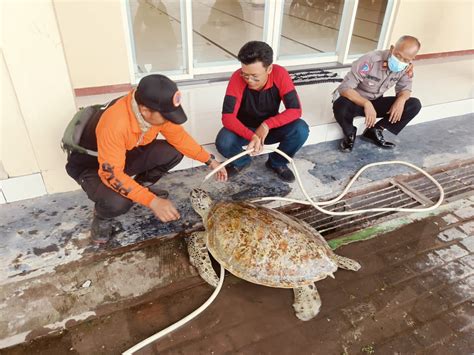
pixel 46 232
pixel 105 300
pixel 42 233
pixel 414 294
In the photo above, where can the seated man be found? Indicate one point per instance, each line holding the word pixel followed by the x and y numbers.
pixel 250 112
pixel 124 136
pixel 361 94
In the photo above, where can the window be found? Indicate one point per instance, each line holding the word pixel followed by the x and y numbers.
pixel 157 36
pixel 310 27
pixel 367 26
pixel 221 27
pixel 183 38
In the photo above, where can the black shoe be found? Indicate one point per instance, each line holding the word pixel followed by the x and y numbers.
pixel 101 230
pixel 375 135
pixel 347 143
pixel 283 172
pixel 158 192
pixel 233 170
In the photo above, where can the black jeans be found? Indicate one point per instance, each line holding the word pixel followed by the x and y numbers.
pixel 149 163
pixel 345 111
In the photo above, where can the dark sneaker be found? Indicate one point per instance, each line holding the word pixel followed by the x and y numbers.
pixel 283 172
pixel 347 143
pixel 375 135
pixel 233 170
pixel 101 230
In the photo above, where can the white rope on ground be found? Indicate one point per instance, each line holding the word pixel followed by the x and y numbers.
pixel 181 322
pixel 309 201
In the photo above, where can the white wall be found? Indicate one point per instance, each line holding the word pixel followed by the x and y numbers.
pixel 94 41
pixel 35 63
pixel 440 25
pixel 16 151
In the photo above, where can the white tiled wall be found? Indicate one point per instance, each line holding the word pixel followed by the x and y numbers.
pixel 22 187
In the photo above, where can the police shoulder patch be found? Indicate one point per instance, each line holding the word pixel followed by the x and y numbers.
pixel 365 68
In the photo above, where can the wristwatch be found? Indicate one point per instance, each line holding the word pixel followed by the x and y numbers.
pixel 211 158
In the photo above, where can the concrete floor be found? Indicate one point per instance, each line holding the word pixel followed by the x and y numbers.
pixel 413 295
pixel 52 278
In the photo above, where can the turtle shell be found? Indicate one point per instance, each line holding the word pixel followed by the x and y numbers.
pixel 265 246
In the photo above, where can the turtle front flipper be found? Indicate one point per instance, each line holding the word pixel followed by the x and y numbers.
pixel 307 302
pixel 199 258
pixel 346 263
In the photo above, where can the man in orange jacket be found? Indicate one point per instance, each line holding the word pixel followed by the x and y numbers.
pixel 124 137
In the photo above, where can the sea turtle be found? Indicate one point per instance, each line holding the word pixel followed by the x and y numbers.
pixel 263 246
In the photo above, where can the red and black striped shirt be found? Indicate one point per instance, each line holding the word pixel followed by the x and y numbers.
pixel 244 107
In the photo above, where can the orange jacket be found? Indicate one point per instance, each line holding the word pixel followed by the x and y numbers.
pixel 118 131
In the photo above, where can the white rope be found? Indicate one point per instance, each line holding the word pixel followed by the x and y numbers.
pixel 309 201
pixel 182 321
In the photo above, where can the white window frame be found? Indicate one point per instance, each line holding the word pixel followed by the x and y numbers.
pixel 273 19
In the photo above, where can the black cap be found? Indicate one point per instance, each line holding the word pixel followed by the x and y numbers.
pixel 159 93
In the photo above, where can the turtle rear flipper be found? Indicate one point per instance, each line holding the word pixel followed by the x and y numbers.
pixel 346 263
pixel 199 258
pixel 307 302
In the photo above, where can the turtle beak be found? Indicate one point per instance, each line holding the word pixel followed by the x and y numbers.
pixel 331 275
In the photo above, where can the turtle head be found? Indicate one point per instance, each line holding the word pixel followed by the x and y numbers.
pixel 201 201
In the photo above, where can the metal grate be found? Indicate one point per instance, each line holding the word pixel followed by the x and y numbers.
pixel 408 191
pixel 456 182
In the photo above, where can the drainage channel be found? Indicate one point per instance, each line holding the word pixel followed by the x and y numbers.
pixel 407 191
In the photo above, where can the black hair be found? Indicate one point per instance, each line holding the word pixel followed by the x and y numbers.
pixel 256 51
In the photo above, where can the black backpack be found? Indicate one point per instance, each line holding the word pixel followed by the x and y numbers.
pixel 73 133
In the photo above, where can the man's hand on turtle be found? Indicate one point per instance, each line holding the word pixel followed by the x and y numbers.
pixel 221 174
pixel 255 145
pixel 164 210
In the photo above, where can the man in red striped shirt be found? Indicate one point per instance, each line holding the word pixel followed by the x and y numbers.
pixel 251 116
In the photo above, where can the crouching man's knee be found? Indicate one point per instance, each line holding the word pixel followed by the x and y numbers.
pixel 112 205
pixel 300 131
pixel 413 105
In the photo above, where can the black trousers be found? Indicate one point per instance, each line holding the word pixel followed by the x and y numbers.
pixel 345 110
pixel 149 163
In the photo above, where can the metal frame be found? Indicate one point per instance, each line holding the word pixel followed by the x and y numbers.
pixel 273 21
pixel 129 41
pixel 268 21
pixel 348 16
pixel 187 35
pixel 387 24
pixel 277 26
